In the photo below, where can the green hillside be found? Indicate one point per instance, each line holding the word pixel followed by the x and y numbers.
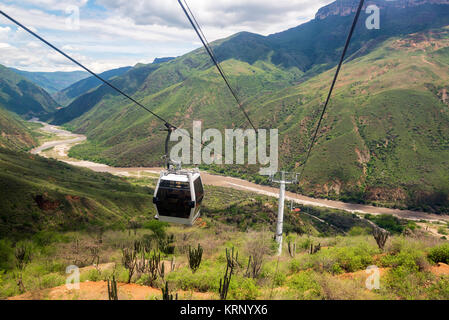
pixel 52 82
pixel 14 133
pixel 22 96
pixel 128 83
pixel 386 130
pixel 70 93
pixel 40 194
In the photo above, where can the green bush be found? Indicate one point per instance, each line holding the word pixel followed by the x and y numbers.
pixel 404 284
pixel 206 279
pixel 243 289
pixel 387 222
pixel 439 290
pixel 158 227
pixel 358 231
pixel 409 259
pixel 439 254
pixel 303 286
pixel 52 280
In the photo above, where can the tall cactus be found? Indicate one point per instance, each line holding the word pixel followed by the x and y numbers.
pixel 232 259
pixel 225 282
pixel 166 295
pixel 112 289
pixel 129 260
pixel 195 256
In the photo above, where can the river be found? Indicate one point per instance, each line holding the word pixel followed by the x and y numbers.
pixel 65 140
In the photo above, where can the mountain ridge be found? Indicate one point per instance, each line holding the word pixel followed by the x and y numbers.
pixel 23 97
pixel 347 7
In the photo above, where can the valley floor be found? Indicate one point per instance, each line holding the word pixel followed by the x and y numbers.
pixel 64 140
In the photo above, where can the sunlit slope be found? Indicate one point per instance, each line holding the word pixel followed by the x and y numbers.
pixel 22 96
pixel 122 134
pixel 14 134
pixel 40 194
pixel 386 134
pixel 384 138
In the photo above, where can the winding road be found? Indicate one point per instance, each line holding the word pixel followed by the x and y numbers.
pixel 67 139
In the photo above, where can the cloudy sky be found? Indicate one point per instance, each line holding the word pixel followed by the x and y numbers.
pixel 116 33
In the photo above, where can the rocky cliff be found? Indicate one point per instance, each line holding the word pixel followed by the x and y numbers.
pixel 346 7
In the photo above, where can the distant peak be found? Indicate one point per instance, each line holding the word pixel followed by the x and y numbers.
pixel 347 7
pixel 162 60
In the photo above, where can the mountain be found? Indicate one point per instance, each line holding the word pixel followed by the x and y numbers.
pixel 384 140
pixel 162 60
pixel 347 7
pixel 22 96
pixel 41 194
pixel 129 83
pixel 70 93
pixel 53 82
pixel 14 134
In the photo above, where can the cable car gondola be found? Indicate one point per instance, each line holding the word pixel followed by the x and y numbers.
pixel 179 193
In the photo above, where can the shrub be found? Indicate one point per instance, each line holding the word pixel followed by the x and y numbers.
pixel 439 254
pixel 303 286
pixel 305 243
pixel 409 259
pixel 387 222
pixel 52 280
pixel 405 284
pixel 440 289
pixel 244 289
pixel 158 227
pixel 358 231
pixel 206 279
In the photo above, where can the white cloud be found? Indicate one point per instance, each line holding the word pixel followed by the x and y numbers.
pixel 260 16
pixel 51 5
pixel 128 32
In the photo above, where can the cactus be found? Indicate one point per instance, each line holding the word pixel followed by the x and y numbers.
pixel 225 282
pixel 166 244
pixel 172 264
pixel 112 289
pixel 291 249
pixel 129 260
pixel 166 295
pixel 232 261
pixel 23 256
pixel 314 249
pixel 195 256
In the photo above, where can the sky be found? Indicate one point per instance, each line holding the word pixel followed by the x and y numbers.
pixel 107 34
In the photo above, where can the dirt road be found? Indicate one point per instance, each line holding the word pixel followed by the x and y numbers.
pixel 66 140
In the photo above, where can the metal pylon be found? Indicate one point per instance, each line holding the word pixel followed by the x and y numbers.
pixel 284 179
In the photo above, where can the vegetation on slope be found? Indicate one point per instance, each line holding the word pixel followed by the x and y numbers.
pixel 40 194
pixel 52 82
pixel 22 96
pixel 408 268
pixel 70 93
pixel 14 132
pixel 383 141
